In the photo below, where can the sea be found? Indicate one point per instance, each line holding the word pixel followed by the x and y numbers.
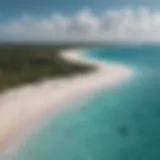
pixel 120 123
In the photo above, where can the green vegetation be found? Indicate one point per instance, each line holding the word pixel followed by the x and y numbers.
pixel 21 64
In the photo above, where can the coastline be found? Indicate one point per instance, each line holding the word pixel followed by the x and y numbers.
pixel 21 107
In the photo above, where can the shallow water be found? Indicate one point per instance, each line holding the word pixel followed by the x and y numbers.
pixel 122 123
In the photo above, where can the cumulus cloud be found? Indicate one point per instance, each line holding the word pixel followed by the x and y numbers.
pixel 123 25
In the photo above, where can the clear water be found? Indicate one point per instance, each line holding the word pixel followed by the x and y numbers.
pixel 117 124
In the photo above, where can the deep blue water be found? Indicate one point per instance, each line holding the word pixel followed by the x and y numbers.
pixel 122 123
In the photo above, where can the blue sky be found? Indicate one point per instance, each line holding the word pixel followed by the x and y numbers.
pixel 12 9
pixel 80 20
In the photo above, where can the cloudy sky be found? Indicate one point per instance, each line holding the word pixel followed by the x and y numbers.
pixel 80 20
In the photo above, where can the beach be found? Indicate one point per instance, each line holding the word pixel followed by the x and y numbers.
pixel 26 105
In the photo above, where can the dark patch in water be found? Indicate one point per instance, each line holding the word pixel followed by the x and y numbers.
pixel 123 131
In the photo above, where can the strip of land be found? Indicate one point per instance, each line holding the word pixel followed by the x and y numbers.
pixel 24 106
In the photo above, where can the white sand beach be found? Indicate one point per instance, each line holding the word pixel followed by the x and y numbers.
pixel 24 106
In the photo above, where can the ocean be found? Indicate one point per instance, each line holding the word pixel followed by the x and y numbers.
pixel 121 123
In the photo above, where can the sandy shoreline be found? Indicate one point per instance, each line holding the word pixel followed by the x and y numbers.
pixel 20 107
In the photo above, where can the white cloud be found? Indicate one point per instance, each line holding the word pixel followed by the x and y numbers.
pixel 123 25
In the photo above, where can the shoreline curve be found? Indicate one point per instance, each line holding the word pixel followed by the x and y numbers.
pixel 21 107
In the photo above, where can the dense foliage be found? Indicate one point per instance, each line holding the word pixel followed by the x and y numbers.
pixel 21 64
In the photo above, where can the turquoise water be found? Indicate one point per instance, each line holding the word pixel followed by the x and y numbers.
pixel 122 123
